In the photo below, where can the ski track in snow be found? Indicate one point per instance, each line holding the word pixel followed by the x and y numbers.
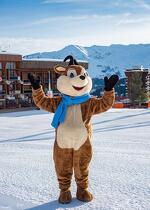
pixel 119 171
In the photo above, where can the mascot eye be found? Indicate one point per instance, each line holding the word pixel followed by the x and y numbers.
pixel 71 73
pixel 86 74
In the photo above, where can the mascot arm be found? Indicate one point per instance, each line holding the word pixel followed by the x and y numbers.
pixel 44 102
pixel 104 103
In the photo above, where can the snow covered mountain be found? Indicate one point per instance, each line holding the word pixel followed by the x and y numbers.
pixel 103 60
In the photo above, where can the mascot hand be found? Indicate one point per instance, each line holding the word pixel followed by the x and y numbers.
pixel 35 81
pixel 110 83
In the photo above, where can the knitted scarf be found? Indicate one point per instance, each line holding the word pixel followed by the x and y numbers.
pixel 66 101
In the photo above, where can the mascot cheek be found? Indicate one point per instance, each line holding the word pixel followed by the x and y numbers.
pixel 62 82
pixel 64 86
pixel 88 87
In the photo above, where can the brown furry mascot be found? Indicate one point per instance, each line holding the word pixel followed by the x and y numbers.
pixel 72 122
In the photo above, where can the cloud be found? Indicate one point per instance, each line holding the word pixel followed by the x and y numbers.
pixel 47 20
pixel 53 33
pixel 143 4
pixel 103 20
pixel 71 18
pixel 63 1
pixel 130 19
pixel 29 45
pixel 58 19
pixel 125 33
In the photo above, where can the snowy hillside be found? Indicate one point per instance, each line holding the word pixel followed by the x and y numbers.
pixel 104 59
pixel 119 171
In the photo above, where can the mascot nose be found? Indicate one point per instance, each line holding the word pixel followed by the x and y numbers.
pixel 82 77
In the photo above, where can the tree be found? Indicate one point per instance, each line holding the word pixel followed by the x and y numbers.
pixel 138 92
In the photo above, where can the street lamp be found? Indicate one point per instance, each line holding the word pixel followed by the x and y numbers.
pixel 49 92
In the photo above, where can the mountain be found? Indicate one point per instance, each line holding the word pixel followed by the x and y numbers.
pixel 103 60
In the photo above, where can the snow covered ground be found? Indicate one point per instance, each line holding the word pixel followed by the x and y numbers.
pixel 119 171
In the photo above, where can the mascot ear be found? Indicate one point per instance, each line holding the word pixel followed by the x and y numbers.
pixel 60 69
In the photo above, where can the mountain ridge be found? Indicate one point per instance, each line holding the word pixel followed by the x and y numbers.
pixel 103 60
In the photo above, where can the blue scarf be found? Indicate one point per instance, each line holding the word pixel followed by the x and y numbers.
pixel 61 110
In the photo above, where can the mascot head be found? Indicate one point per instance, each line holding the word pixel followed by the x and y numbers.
pixel 74 79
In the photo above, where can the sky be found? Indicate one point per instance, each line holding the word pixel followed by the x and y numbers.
pixel 29 26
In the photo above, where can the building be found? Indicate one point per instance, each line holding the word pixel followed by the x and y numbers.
pixel 144 75
pixel 15 88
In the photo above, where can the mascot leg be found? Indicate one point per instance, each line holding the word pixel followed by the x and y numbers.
pixel 63 159
pixel 81 160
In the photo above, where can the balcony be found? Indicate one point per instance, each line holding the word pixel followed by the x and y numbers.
pixel 7 82
pixel 13 78
pixel 2 95
pixel 3 79
pixel 20 81
pixel 45 81
pixel 26 82
pixel 10 97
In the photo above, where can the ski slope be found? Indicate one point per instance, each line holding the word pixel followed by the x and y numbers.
pixel 119 171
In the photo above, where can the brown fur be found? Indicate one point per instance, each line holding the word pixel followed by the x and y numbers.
pixel 67 160
pixel 84 195
pixel 65 197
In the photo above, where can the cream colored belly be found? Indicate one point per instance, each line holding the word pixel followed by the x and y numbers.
pixel 72 133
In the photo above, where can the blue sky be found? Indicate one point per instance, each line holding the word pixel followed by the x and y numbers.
pixel 28 26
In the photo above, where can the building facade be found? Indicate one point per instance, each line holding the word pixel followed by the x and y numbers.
pixel 141 74
pixel 15 88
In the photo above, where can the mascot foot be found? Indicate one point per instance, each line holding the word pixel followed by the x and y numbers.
pixel 65 197
pixel 84 195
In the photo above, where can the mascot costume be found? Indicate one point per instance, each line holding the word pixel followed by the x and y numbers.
pixel 72 122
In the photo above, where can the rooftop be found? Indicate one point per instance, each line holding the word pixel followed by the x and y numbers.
pixel 49 59
pixel 8 53
pixel 44 63
pixel 5 56
pixel 141 69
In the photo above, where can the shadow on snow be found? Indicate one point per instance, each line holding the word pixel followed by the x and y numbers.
pixel 30 137
pixel 122 117
pixel 122 127
pixel 53 205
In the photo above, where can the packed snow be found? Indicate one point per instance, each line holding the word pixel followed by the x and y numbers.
pixel 119 171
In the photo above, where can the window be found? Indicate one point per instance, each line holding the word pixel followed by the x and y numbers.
pixel 0 65
pixel 13 74
pixel 27 89
pixel 10 65
pixel 1 88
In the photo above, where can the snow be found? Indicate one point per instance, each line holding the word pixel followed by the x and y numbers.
pixel 104 60
pixel 49 59
pixel 8 53
pixel 119 171
pixel 42 59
